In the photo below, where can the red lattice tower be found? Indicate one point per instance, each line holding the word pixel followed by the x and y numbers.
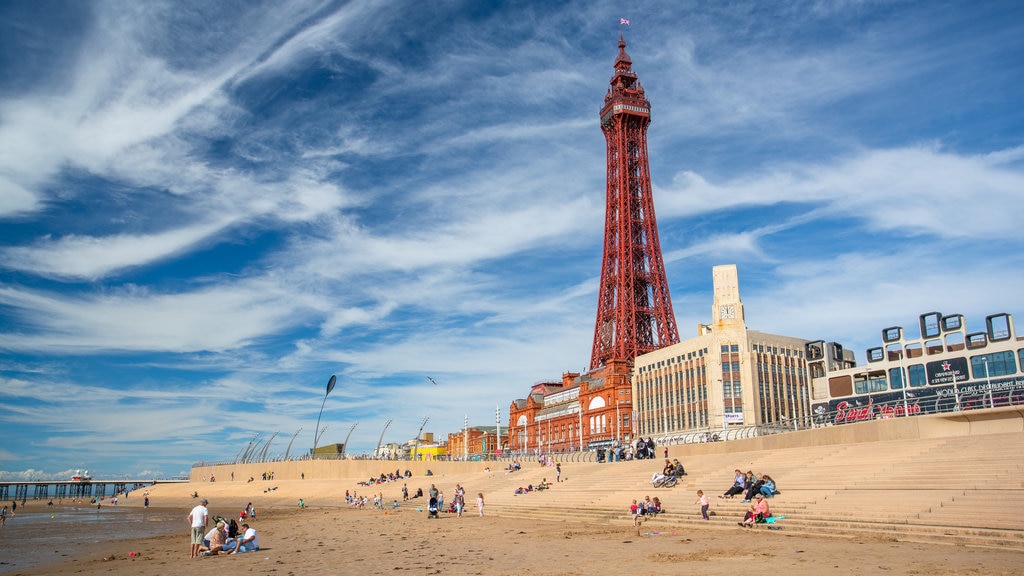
pixel 634 309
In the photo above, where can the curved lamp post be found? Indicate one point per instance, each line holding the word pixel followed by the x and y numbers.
pixel 416 446
pixel 376 453
pixel 330 386
pixel 344 446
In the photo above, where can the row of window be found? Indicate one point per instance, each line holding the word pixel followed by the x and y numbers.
pixel 671 422
pixel 982 366
pixel 777 351
pixel 675 360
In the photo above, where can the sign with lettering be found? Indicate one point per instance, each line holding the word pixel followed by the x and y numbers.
pixel 963 395
pixel 947 371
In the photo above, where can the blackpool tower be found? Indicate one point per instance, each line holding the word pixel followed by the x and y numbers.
pixel 634 309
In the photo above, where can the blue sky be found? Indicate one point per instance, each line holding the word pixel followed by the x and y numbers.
pixel 208 208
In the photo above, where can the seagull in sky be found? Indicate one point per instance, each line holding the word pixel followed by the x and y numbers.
pixel 431 380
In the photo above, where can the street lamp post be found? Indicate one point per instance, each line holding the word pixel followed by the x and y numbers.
pixel 344 446
pixel 904 383
pixel 721 386
pixel 580 435
pixel 988 384
pixel 289 449
pixel 956 393
pixel 316 431
pixel 376 453
pixel 416 445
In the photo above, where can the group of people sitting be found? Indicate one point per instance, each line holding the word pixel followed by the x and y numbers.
pixel 646 508
pixel 515 465
pixel 226 538
pixel 750 485
pixel 389 477
pixel 544 485
pixel 672 468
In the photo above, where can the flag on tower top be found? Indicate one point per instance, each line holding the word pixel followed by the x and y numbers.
pixel 624 21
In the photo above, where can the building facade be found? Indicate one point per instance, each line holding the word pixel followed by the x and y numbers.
pixel 474 442
pixel 582 412
pixel 727 376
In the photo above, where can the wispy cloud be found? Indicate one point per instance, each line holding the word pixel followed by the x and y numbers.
pixel 209 207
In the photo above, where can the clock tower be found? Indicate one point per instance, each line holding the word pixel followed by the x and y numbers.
pixel 727 309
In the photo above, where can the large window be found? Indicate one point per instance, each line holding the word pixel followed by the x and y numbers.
pixel 995 364
pixel 871 382
pixel 896 378
pixel 916 375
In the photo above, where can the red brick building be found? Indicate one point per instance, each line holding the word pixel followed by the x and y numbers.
pixel 483 441
pixel 584 411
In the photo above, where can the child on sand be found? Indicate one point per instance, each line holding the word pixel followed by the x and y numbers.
pixel 703 501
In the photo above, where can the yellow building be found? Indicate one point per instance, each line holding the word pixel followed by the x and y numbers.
pixel 727 378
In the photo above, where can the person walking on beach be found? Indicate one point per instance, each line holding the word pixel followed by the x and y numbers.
pixel 198 518
pixel 480 503
pixel 3 516
pixel 558 472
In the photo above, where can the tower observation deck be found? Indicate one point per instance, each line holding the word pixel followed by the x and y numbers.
pixel 634 309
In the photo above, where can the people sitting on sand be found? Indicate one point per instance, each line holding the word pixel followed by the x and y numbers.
pixel 768 488
pixel 738 485
pixel 758 513
pixel 655 506
pixel 247 542
pixel 215 539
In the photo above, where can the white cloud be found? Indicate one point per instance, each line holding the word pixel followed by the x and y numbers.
pixel 912 190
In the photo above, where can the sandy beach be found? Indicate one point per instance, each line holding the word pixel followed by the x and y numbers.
pixel 329 538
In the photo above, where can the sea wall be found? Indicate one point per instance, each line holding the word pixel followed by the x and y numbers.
pixel 974 422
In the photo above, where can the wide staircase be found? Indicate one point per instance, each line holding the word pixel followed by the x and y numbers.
pixel 965 490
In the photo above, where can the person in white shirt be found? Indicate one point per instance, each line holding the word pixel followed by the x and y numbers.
pixel 248 541
pixel 198 518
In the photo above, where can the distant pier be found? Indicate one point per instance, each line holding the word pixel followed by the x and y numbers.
pixel 72 489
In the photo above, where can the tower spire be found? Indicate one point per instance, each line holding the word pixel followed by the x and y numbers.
pixel 634 309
